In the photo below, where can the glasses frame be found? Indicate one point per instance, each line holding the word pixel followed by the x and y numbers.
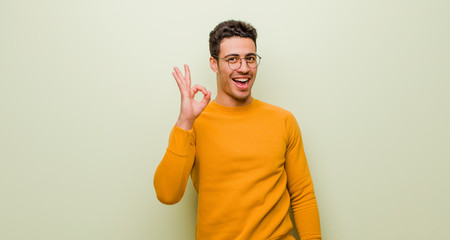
pixel 240 61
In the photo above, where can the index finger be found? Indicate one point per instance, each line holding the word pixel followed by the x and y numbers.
pixel 187 75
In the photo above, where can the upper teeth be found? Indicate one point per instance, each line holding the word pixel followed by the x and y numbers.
pixel 241 79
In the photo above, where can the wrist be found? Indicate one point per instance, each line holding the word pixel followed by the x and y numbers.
pixel 184 124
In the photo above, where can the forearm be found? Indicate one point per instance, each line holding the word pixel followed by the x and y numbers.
pixel 172 174
pixel 303 199
pixel 306 214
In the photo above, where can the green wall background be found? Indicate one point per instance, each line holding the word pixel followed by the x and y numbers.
pixel 87 102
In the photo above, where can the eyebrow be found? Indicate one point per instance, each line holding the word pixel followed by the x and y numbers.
pixel 235 54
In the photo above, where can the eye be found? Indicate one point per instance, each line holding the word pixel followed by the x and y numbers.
pixel 250 58
pixel 232 59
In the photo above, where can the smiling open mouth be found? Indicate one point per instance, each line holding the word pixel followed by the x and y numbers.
pixel 241 82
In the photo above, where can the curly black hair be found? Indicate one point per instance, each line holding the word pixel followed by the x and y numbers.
pixel 228 29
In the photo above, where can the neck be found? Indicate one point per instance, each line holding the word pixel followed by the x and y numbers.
pixel 231 102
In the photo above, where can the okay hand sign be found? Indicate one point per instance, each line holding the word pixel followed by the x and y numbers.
pixel 190 108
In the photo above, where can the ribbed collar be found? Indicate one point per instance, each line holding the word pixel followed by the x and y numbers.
pixel 226 109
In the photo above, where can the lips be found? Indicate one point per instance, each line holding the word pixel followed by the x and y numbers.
pixel 241 82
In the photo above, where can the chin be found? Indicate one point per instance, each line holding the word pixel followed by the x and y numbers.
pixel 242 98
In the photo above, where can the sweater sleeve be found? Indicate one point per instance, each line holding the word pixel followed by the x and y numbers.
pixel 300 185
pixel 172 174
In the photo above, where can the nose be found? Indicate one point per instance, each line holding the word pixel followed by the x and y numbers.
pixel 244 66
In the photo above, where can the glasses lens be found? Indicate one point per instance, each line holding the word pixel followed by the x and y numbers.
pixel 234 65
pixel 253 61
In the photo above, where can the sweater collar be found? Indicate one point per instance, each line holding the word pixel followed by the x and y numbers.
pixel 240 109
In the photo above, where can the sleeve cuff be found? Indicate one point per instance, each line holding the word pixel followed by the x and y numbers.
pixel 180 140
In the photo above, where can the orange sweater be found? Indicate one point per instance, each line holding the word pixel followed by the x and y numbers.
pixel 248 166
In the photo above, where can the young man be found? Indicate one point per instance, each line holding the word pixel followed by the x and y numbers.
pixel 245 157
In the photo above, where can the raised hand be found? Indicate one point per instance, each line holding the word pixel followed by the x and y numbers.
pixel 190 108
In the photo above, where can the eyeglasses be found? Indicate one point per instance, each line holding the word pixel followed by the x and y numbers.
pixel 235 62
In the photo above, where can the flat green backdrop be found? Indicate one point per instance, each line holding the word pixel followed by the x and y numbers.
pixel 87 102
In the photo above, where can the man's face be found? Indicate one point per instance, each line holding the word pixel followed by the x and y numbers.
pixel 234 86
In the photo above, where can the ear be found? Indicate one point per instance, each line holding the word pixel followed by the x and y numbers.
pixel 213 64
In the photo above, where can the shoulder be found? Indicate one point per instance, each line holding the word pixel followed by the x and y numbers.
pixel 280 115
pixel 273 109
